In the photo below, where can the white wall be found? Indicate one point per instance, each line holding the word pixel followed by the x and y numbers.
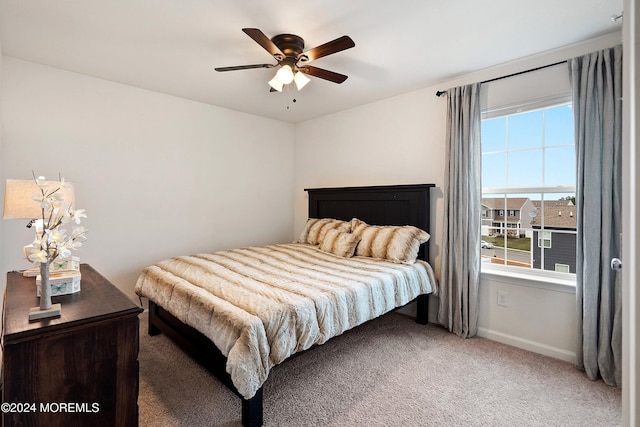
pixel 400 141
pixel 158 175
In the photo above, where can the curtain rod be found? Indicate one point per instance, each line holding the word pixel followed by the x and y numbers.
pixel 443 92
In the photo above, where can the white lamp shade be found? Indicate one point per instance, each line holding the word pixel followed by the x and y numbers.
pixel 276 83
pixel 301 80
pixel 285 74
pixel 18 198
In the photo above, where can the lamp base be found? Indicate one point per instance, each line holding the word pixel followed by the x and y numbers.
pixel 35 313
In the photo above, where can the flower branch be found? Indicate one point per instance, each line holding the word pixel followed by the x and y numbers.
pixel 51 240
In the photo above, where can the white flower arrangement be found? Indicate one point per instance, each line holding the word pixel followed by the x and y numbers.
pixel 51 240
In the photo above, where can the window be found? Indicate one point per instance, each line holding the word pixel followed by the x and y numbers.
pixel 528 172
pixel 544 240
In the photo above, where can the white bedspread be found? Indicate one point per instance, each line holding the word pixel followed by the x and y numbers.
pixel 260 305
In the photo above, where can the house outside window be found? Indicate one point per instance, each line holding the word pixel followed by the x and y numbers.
pixel 559 238
pixel 528 172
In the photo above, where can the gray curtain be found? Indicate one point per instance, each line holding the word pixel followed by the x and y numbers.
pixel 596 81
pixel 460 272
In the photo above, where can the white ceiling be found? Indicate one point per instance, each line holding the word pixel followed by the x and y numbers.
pixel 173 46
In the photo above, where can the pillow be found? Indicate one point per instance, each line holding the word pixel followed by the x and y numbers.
pixel 339 243
pixel 315 229
pixel 392 243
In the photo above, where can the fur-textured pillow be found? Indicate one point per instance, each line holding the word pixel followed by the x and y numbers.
pixel 339 243
pixel 315 229
pixel 392 243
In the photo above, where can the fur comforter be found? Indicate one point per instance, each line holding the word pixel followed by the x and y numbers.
pixel 260 305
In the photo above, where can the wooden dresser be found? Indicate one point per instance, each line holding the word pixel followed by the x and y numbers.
pixel 77 369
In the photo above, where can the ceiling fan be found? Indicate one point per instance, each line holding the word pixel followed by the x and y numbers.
pixel 288 50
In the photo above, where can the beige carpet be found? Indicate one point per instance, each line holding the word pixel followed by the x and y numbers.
pixel 389 372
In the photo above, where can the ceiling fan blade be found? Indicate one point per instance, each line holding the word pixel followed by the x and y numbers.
pixel 245 67
pixel 337 45
pixel 264 41
pixel 323 74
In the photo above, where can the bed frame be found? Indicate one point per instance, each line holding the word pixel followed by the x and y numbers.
pixel 378 205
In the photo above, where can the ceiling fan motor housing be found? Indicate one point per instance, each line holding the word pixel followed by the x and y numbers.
pixel 291 45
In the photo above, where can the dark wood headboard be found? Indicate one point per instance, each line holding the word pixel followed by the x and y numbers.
pixel 376 205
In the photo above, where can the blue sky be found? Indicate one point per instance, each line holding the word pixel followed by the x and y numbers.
pixel 539 147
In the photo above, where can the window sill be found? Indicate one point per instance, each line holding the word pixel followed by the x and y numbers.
pixel 548 282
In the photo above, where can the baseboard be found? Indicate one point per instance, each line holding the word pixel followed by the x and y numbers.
pixel 525 344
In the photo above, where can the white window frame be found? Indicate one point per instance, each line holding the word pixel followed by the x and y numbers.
pixel 528 275
pixel 542 236
pixel 562 268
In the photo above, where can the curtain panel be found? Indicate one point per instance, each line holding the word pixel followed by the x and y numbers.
pixel 460 272
pixel 596 81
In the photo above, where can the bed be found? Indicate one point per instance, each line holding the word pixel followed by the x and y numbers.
pixel 240 312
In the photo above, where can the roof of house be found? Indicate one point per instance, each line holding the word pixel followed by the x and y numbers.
pixel 513 203
pixel 557 213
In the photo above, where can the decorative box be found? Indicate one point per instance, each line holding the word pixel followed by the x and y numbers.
pixel 61 264
pixel 71 263
pixel 62 283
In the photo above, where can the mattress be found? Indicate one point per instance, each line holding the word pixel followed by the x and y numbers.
pixel 260 305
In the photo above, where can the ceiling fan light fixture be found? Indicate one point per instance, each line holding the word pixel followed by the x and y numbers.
pixel 276 83
pixel 301 80
pixel 285 74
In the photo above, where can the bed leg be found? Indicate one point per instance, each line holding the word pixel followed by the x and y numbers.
pixel 153 329
pixel 422 314
pixel 252 410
